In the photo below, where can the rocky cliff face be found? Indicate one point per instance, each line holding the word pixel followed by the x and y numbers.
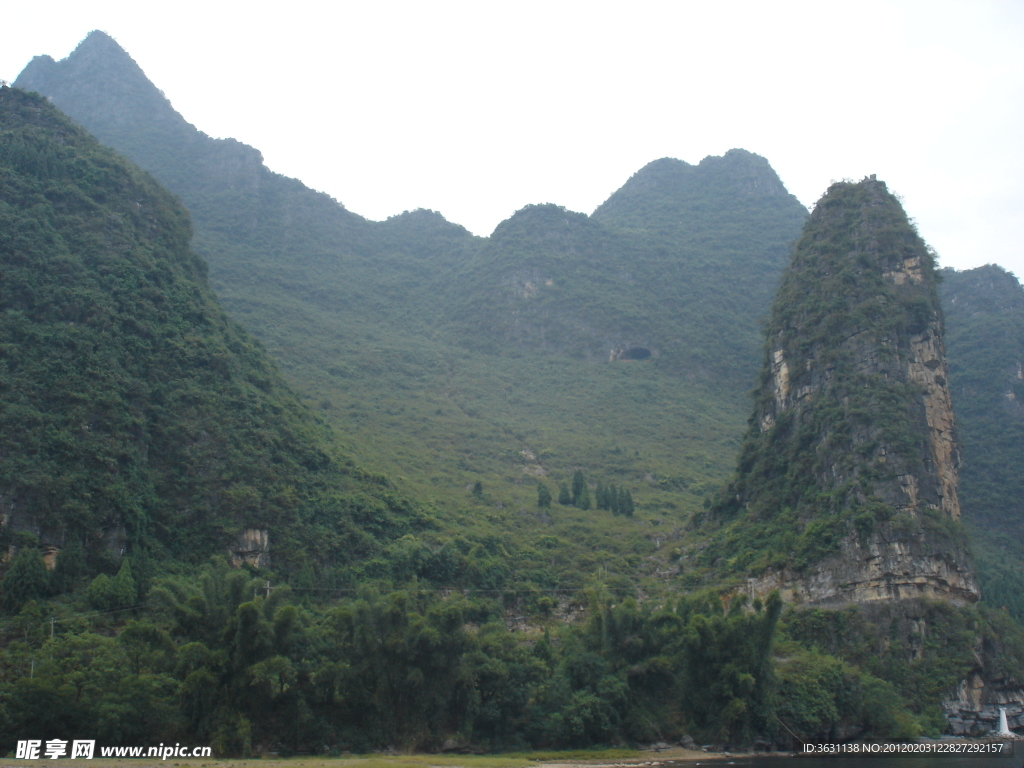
pixel 853 437
pixel 973 709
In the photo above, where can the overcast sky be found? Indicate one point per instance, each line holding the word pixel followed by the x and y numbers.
pixel 475 109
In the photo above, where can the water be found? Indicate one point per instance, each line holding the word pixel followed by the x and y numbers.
pixel 1004 729
pixel 1009 760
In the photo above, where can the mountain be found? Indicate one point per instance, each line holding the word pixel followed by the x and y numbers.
pixel 603 351
pixel 103 88
pixel 135 414
pixel 717 236
pixel 265 236
pixel 679 265
pixel 439 358
pixel 849 471
pixel 984 310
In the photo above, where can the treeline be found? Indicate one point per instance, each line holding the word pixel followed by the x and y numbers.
pixel 228 659
pixel 618 500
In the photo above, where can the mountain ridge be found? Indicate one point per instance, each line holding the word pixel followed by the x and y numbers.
pixel 168 427
pixel 344 304
pixel 634 378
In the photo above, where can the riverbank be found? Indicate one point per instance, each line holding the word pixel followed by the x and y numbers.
pixel 575 759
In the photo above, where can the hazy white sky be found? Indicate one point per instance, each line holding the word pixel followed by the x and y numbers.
pixel 475 109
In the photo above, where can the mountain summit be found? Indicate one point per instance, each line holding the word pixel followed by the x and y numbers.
pixel 668 186
pixel 111 87
pixel 851 462
pixel 234 199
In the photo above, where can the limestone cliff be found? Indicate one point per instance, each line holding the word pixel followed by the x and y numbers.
pixel 850 467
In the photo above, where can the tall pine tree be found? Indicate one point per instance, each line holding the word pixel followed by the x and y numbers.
pixel 543 496
pixel 578 484
pixel 564 497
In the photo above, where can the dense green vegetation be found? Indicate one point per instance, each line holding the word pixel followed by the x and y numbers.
pixel 715 238
pixel 217 656
pixel 133 412
pixel 561 399
pixel 436 364
pixel 985 346
pixel 825 449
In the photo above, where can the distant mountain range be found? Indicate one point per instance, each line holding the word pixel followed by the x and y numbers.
pixel 434 439
pixel 622 343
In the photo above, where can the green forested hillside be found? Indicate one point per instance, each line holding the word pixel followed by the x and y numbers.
pixel 679 264
pixel 436 362
pixel 135 414
pixel 504 383
pixel 985 341
pixel 839 417
pixel 714 238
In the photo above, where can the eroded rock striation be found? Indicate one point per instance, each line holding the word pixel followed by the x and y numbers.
pixel 851 462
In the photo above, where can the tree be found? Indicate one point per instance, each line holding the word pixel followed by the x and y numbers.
pixel 101 593
pixel 25 580
pixel 107 593
pixel 613 500
pixel 563 495
pixel 543 496
pixel 70 567
pixel 578 484
pixel 625 503
pixel 583 500
pixel 727 671
pixel 123 586
pixel 147 646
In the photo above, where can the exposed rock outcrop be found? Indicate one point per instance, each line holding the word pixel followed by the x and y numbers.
pixel 908 566
pixel 252 547
pixel 974 708
pixel 853 437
